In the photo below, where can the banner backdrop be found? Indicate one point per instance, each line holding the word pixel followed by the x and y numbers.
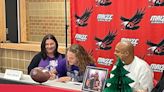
pixel 99 25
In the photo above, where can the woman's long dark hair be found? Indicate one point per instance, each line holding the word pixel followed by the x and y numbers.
pixel 43 44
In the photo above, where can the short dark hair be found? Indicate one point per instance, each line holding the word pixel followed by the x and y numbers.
pixel 43 49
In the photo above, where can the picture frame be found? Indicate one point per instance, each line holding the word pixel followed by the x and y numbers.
pixel 94 79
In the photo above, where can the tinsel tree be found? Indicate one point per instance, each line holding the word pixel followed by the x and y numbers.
pixel 119 82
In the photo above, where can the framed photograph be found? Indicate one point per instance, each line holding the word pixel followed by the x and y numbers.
pixel 94 79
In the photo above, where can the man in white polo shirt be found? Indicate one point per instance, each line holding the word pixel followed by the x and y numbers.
pixel 139 70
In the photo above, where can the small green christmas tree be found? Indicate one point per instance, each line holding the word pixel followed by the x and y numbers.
pixel 119 82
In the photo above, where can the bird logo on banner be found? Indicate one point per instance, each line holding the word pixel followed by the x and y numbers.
pixel 103 2
pixel 132 23
pixel 104 44
pixel 157 49
pixel 156 2
pixel 82 20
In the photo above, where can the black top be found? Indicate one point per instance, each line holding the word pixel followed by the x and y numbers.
pixel 160 85
pixel 36 60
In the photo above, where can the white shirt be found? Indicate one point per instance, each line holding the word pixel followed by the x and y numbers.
pixel 141 73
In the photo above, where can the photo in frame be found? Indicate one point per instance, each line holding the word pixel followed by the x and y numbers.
pixel 94 79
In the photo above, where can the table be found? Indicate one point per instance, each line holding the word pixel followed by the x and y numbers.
pixel 27 84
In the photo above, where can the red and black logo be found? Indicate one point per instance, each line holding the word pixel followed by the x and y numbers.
pixel 156 2
pixel 132 23
pixel 104 44
pixel 82 20
pixel 103 2
pixel 157 49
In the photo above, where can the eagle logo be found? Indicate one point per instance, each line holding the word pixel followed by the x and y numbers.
pixel 132 23
pixel 156 2
pixel 82 20
pixel 104 44
pixel 157 49
pixel 103 2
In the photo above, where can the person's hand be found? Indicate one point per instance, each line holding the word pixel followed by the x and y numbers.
pixel 53 71
pixel 64 79
pixel 141 91
pixel 52 75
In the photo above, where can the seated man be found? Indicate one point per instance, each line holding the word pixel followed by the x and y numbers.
pixel 139 70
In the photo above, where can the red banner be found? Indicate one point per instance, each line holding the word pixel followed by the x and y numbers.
pixel 99 24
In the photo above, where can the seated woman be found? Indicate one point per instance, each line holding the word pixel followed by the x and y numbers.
pixel 49 57
pixel 160 85
pixel 77 59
